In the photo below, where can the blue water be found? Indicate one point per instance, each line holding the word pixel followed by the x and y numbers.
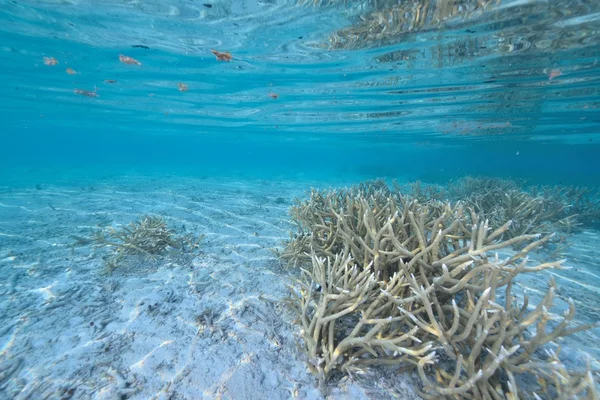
pixel 316 94
pixel 472 96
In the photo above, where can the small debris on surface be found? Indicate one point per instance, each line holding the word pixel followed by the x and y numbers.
pixel 182 87
pixel 86 93
pixel 71 71
pixel 67 394
pixel 222 56
pixel 141 46
pixel 50 61
pixel 273 95
pixel 553 74
pixel 128 60
pixel 110 81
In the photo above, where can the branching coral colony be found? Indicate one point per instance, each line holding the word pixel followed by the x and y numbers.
pixel 149 236
pixel 534 209
pixel 387 280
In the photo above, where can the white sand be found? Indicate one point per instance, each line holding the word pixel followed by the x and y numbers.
pixel 208 326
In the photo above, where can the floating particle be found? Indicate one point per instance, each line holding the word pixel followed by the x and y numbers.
pixel 50 61
pixel 222 56
pixel 71 71
pixel 182 87
pixel 128 60
pixel 273 95
pixel 553 74
pixel 110 81
pixel 86 93
pixel 141 46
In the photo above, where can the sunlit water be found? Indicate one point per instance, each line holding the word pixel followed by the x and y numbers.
pixel 508 89
pixel 316 94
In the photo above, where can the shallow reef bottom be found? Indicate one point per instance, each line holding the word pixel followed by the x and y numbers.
pixel 203 325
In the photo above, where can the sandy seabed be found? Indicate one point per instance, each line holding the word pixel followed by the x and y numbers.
pixel 202 326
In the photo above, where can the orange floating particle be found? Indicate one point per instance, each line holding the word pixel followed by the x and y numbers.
pixel 128 60
pixel 86 93
pixel 50 61
pixel 273 95
pixel 553 74
pixel 71 71
pixel 182 87
pixel 222 56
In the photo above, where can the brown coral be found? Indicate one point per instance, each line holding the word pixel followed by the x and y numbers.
pixel 391 281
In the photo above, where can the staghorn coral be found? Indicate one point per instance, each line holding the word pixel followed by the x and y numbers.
pixel 582 205
pixel 149 236
pixel 392 281
pixel 535 209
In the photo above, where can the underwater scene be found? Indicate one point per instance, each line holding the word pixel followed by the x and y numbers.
pixel 299 199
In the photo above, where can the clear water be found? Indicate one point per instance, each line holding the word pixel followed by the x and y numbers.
pixel 472 95
pixel 508 89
